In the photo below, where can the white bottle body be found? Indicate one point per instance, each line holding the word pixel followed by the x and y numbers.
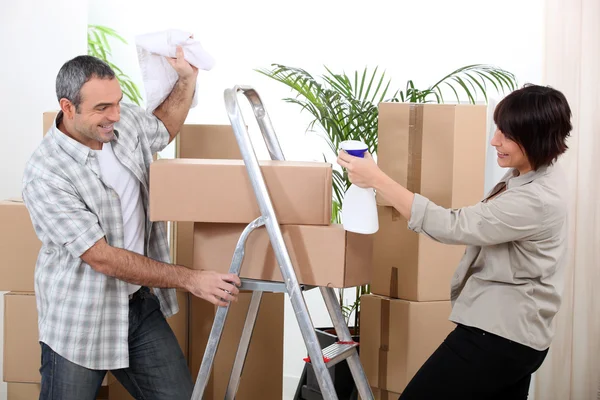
pixel 359 211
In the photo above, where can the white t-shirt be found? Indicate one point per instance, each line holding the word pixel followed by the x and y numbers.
pixel 115 175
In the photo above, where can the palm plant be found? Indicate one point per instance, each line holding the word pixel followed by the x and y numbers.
pixel 99 46
pixel 345 107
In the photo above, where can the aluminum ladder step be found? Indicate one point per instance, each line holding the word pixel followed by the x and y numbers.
pixel 268 286
pixel 339 351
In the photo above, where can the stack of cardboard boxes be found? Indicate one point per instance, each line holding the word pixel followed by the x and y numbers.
pixel 206 191
pixel 439 152
pixel 262 375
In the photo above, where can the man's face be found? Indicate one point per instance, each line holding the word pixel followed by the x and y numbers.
pixel 99 110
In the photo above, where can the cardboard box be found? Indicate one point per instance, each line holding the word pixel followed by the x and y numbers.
pixel 22 391
pixel 182 243
pixel 22 352
pixel 19 247
pixel 398 336
pixel 199 190
pixel 408 265
pixel 321 255
pixel 262 377
pixel 384 394
pixel 437 150
pixel 48 120
pixel 199 141
pixel 207 141
pixel 115 391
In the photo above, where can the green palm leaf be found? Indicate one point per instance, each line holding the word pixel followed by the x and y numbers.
pixel 471 80
pixel 99 46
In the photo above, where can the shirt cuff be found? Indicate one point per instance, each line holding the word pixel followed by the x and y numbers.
pixel 417 213
pixel 83 242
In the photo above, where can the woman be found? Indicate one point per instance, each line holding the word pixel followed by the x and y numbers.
pixel 507 288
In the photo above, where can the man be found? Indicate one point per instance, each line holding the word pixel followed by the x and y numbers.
pixel 86 189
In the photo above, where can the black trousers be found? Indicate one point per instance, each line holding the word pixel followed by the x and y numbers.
pixel 474 364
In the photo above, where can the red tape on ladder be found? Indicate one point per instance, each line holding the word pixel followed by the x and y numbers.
pixel 327 359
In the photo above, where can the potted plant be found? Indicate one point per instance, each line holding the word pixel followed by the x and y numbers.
pixel 345 107
pixel 99 46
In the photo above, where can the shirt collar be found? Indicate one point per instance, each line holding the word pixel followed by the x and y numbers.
pixel 72 147
pixel 513 179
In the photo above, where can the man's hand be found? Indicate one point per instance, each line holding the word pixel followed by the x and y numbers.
pixel 219 289
pixel 183 68
pixel 363 172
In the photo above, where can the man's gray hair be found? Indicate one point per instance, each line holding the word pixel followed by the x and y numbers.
pixel 75 73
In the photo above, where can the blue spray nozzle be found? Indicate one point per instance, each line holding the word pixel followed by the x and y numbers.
pixel 355 148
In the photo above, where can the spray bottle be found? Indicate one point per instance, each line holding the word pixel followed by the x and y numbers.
pixel 359 210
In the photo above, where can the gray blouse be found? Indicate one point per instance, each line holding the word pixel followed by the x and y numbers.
pixel 510 280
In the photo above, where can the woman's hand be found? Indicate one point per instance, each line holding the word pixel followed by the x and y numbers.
pixel 363 172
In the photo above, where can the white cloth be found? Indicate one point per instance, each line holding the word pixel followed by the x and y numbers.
pixel 158 75
pixel 127 187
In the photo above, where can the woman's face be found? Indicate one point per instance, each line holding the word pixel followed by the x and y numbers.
pixel 510 154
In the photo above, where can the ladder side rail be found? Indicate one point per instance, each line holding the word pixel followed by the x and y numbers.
pixel 221 315
pixel 358 373
pixel 274 232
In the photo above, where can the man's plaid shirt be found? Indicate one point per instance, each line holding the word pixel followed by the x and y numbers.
pixel 83 314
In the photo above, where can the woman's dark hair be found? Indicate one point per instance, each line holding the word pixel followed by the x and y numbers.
pixel 537 118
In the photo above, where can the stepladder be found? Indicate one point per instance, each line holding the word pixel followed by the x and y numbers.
pixel 345 349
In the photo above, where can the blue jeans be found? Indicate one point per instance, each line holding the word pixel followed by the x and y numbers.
pixel 157 367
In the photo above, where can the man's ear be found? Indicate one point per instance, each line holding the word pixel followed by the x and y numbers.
pixel 67 108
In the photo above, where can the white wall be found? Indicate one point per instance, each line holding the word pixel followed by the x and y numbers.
pixel 38 36
pixel 410 40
